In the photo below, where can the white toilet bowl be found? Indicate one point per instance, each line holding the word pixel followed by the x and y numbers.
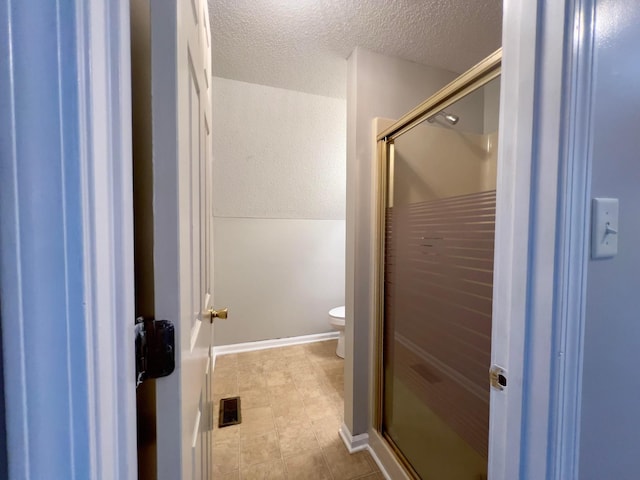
pixel 336 320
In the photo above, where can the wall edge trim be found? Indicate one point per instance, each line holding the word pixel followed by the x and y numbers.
pixel 353 444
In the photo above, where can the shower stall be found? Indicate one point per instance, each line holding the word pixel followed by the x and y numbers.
pixel 436 254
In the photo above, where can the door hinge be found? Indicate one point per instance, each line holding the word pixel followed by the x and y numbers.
pixel 498 377
pixel 155 349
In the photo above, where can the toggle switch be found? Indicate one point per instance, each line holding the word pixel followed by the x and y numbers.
pixel 604 228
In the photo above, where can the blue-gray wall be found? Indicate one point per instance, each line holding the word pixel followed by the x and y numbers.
pixel 4 467
pixel 610 426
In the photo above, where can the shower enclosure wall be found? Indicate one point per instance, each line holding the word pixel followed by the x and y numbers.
pixel 437 226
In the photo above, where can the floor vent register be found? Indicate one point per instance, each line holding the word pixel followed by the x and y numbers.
pixel 229 412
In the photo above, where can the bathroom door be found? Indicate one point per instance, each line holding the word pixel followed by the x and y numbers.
pixel 181 119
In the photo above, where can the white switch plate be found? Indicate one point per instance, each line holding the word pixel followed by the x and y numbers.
pixel 604 227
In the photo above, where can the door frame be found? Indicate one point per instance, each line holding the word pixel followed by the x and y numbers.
pixel 90 408
pixel 540 288
pixel 546 72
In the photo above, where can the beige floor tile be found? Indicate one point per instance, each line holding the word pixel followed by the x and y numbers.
pixel 296 437
pixel 228 361
pixel 250 366
pixel 226 456
pixel 292 406
pixel 330 420
pixel 325 353
pixel 346 466
pixel 324 350
pixel 336 380
pixel 254 398
pixel 250 415
pixel 283 422
pixel 259 449
pixel 273 470
pixel 340 410
pixel 251 381
pixel 288 408
pixel 307 466
pixel 293 351
pixel 341 397
pixel 254 357
pixel 272 353
pixel 235 475
pixel 338 402
pixel 226 434
pixel 318 360
pixel 299 359
pixel 305 377
pixel 319 407
pixel 326 430
pixel 373 476
pixel 328 436
pixel 327 346
pixel 332 367
pixel 276 364
pixel 328 366
pixel 298 364
pixel 283 392
pixel 221 381
pixel 277 378
pixel 256 421
pixel 225 384
pixel 312 390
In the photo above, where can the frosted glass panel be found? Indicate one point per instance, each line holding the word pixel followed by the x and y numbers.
pixel 439 239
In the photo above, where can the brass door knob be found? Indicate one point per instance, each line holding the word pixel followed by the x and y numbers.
pixel 217 313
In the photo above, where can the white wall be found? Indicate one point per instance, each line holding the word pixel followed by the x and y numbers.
pixel 279 208
pixel 491 92
pixel 610 426
pixel 378 86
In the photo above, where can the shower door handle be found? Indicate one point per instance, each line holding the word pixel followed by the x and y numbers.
pixel 498 377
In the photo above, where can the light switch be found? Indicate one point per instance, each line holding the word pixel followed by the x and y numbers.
pixel 604 227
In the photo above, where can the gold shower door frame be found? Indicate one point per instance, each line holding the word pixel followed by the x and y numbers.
pixel 471 80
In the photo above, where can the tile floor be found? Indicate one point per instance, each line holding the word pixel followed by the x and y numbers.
pixel 292 408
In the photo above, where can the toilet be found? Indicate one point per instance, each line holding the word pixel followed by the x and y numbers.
pixel 336 320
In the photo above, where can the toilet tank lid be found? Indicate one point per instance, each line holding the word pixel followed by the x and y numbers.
pixel 337 312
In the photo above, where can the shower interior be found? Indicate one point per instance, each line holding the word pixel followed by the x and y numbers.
pixel 449 117
pixel 436 281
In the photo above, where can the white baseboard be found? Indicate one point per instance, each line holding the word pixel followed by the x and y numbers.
pixel 275 343
pixel 354 444
pixel 376 459
pixel 385 458
pixel 360 443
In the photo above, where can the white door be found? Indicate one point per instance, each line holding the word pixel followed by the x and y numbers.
pixel 181 116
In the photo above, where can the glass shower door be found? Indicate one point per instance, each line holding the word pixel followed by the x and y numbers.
pixel 438 286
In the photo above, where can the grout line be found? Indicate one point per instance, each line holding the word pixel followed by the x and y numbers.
pixel 324 457
pixel 326 462
pixel 275 426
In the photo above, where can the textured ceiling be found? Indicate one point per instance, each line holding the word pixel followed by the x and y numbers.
pixel 302 44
